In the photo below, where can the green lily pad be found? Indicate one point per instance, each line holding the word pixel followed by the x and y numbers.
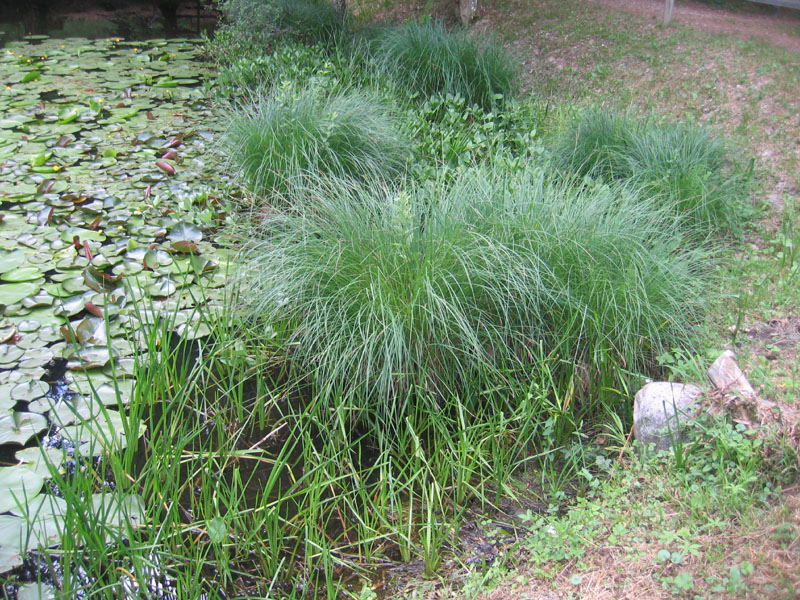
pixel 22 274
pixel 185 232
pixel 29 390
pixel 19 427
pixel 40 460
pixel 37 591
pixel 10 355
pixel 88 357
pixel 10 555
pixel 92 331
pixel 14 292
pixel 78 411
pixel 12 260
pixel 18 487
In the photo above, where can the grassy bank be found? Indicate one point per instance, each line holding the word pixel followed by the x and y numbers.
pixel 447 278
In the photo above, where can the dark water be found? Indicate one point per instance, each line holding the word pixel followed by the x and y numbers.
pixel 130 19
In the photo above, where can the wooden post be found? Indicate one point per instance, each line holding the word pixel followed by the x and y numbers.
pixel 668 6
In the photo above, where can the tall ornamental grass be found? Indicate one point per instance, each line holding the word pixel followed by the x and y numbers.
pixel 454 289
pixel 680 166
pixel 596 144
pixel 686 168
pixel 427 59
pixel 281 137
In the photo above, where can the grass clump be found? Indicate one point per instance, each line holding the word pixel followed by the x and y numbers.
pixel 279 138
pixel 250 28
pixel 685 167
pixel 681 166
pixel 427 59
pixel 454 289
pixel 595 143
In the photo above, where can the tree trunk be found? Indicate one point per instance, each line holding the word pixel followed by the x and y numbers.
pixel 467 10
pixel 668 6
pixel 341 8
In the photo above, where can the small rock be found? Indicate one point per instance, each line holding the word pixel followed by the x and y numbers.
pixel 660 408
pixel 727 377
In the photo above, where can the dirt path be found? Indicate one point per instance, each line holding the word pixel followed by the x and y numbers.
pixel 780 29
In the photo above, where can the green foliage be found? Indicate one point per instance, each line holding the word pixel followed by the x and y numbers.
pixel 594 144
pixel 426 59
pixel 449 133
pixel 686 168
pixel 293 64
pixel 454 289
pixel 250 28
pixel 278 138
pixel 679 165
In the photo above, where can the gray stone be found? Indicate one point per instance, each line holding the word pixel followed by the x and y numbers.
pixel 662 407
pixel 728 378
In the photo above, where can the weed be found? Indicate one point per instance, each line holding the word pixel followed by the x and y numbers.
pixel 426 59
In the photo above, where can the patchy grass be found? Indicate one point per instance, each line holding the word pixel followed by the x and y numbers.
pixel 587 54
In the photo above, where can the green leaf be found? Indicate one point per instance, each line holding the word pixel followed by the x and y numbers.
pixel 36 591
pixel 22 274
pixel 217 530
pixel 19 427
pixel 18 487
pixel 32 76
pixel 683 581
pixel 14 292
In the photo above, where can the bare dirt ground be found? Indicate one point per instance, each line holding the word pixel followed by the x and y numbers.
pixel 781 28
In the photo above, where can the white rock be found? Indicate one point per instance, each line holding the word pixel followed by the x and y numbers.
pixel 662 407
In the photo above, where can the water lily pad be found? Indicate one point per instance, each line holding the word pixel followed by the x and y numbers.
pixel 14 292
pixel 36 357
pixel 92 331
pixel 10 556
pixel 29 390
pixel 18 487
pixel 36 591
pixel 41 460
pixel 100 281
pixel 40 299
pixel 12 260
pixel 7 332
pixel 162 287
pixel 10 355
pixel 89 357
pixel 185 232
pixel 117 511
pixel 6 401
pixel 22 274
pixel 19 427
pixel 78 410
pixel 194 330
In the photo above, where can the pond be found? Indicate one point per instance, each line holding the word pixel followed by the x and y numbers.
pixel 109 204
